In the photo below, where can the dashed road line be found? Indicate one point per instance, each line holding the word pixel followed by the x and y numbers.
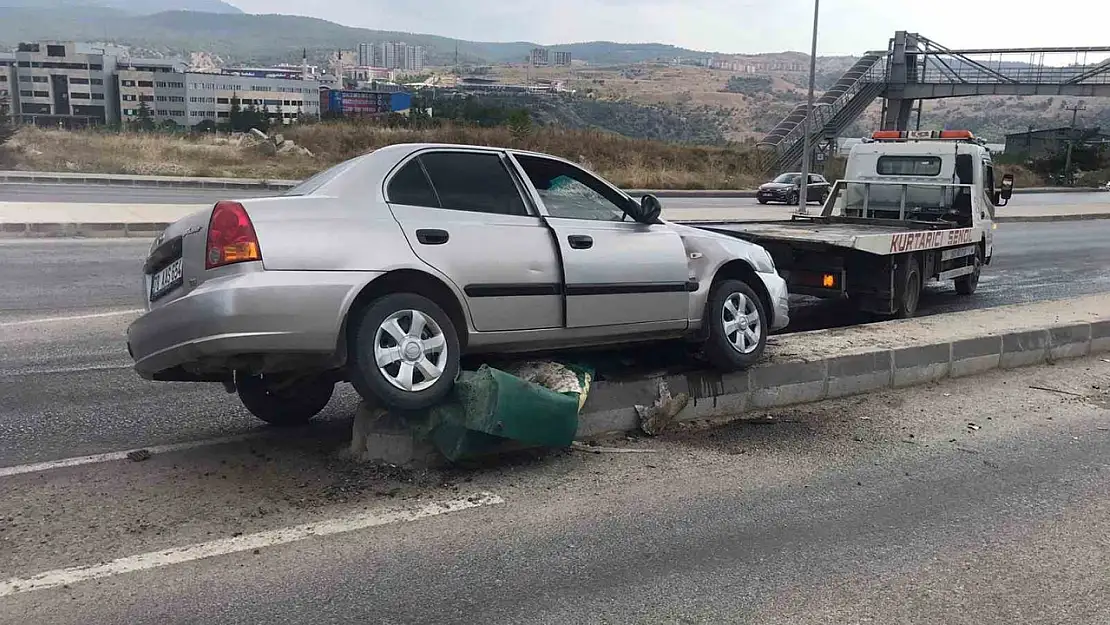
pixel 114 313
pixel 225 546
pixel 121 455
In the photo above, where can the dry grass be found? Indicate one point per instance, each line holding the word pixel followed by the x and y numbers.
pixel 148 154
pixel 630 163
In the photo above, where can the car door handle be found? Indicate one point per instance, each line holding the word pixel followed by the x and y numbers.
pixel 580 241
pixel 432 237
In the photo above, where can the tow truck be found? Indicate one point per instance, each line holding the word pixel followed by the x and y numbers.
pixel 914 206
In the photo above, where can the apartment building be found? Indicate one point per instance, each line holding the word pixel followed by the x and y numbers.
pixel 392 55
pixel 191 98
pixel 66 84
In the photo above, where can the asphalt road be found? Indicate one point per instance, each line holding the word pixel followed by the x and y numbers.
pixel 68 389
pixel 886 509
pixel 155 195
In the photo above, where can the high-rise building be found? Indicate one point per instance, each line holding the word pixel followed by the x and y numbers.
pixel 399 55
pixel 539 56
pixel 560 58
pixel 366 55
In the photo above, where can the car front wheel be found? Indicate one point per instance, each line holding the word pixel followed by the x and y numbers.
pixel 279 400
pixel 737 326
pixel 404 351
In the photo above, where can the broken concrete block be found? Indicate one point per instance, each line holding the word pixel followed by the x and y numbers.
pixel 378 437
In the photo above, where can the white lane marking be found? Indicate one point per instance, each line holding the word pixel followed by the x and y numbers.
pixel 224 546
pixel 114 313
pixel 121 455
pixel 32 370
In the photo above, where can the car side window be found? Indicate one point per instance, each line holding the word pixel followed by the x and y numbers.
pixel 410 186
pixel 815 179
pixel 473 181
pixel 570 192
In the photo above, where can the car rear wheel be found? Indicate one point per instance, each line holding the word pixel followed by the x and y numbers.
pixel 404 351
pixel 280 400
pixel 737 326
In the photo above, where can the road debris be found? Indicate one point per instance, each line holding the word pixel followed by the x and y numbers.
pixel 597 449
pixel 1055 390
pixel 656 418
pixel 139 455
pixel 972 427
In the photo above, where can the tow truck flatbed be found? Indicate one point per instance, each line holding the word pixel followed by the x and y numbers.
pixel 873 236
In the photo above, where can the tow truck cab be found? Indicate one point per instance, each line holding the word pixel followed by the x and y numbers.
pixel 952 157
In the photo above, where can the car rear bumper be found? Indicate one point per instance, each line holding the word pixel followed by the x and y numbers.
pixel 780 299
pixel 249 314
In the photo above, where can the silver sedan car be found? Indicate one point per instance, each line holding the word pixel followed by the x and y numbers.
pixel 385 269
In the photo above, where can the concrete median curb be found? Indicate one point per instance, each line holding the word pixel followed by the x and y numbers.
pixel 789 379
pixel 33 177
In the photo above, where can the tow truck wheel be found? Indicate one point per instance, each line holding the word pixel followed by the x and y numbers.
pixel 736 324
pixel 965 285
pixel 909 289
pixel 284 402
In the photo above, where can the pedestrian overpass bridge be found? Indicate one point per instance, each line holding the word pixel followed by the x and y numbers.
pixel 914 68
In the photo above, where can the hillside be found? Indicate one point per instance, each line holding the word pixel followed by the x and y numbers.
pixel 136 7
pixel 748 104
pixel 249 38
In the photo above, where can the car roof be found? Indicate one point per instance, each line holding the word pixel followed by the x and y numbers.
pixel 363 174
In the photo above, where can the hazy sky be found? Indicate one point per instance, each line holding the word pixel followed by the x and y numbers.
pixel 847 26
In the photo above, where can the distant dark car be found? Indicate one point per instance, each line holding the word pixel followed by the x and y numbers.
pixel 785 189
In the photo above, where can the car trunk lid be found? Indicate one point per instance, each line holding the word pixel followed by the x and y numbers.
pixel 175 264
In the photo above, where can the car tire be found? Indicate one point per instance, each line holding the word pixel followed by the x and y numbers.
pixel 729 311
pixel 761 200
pixel 371 338
pixel 966 285
pixel 294 404
pixel 793 199
pixel 910 285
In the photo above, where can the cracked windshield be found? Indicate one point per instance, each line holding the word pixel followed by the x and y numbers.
pixel 592 312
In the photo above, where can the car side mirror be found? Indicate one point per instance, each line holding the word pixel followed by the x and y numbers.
pixel 650 209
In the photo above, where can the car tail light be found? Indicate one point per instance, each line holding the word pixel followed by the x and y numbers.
pixel 231 237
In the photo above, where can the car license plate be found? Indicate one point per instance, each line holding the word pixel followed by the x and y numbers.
pixel 167 279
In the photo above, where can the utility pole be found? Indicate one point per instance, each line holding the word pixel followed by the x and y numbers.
pixel 803 190
pixel 1074 108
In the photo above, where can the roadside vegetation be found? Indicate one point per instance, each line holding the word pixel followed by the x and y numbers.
pixel 631 163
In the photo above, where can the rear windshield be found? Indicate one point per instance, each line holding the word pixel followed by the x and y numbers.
pixel 908 166
pixel 306 187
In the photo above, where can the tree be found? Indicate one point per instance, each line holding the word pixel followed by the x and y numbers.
pixel 235 117
pixel 144 121
pixel 7 128
pixel 520 123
